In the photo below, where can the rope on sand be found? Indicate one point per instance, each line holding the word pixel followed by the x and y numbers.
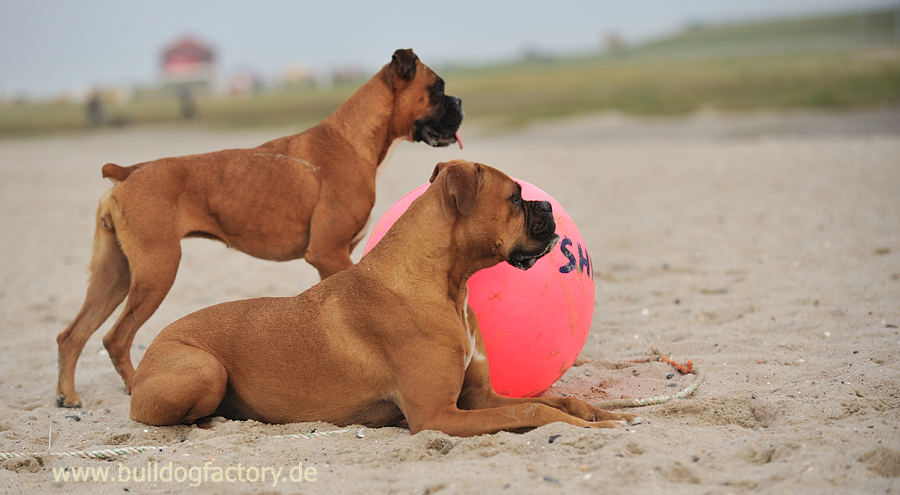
pixel 649 401
pixel 123 451
pixel 87 454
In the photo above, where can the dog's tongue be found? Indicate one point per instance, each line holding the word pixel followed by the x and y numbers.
pixel 459 139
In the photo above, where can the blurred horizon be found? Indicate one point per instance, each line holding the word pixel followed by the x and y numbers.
pixel 49 50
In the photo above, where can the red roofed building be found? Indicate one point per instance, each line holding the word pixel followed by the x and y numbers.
pixel 188 60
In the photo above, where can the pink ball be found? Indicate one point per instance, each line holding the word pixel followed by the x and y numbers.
pixel 534 323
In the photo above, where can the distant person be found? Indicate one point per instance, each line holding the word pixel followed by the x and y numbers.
pixel 95 108
pixel 186 100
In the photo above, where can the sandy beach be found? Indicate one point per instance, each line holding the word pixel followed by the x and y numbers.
pixel 764 247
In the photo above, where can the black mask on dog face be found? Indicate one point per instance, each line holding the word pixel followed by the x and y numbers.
pixel 441 128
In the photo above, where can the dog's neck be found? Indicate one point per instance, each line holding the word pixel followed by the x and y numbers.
pixel 423 237
pixel 376 97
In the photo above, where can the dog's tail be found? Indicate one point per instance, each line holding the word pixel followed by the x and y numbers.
pixel 116 173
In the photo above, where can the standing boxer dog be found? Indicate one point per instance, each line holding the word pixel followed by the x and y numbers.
pixel 389 338
pixel 307 195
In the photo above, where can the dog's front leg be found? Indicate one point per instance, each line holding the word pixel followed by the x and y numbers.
pixel 429 395
pixel 477 393
pixel 523 415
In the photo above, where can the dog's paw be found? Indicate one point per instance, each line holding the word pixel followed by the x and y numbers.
pixel 615 416
pixel 619 421
pixel 633 419
pixel 210 422
pixel 72 402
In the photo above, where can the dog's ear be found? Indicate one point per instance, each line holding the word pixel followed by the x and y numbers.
pixel 462 185
pixel 437 169
pixel 461 181
pixel 403 63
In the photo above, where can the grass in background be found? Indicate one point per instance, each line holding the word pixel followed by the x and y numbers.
pixel 833 62
pixel 847 79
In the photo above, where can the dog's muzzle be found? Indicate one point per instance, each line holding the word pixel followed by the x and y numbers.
pixel 440 129
pixel 539 218
pixel 542 228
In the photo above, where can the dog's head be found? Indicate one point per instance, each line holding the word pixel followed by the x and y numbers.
pixel 492 219
pixel 422 112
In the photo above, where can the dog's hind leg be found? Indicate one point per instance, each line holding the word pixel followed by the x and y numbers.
pixel 177 383
pixel 108 286
pixel 152 275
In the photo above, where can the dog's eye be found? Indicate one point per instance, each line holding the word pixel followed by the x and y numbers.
pixel 516 199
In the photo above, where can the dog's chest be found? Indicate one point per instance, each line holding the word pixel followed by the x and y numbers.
pixel 472 351
pixel 378 171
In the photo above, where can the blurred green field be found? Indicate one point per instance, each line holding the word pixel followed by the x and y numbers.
pixel 847 61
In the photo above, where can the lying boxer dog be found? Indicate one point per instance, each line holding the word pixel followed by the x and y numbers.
pixel 389 338
pixel 307 195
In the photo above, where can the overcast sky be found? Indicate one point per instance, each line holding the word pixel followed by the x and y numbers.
pixel 51 45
